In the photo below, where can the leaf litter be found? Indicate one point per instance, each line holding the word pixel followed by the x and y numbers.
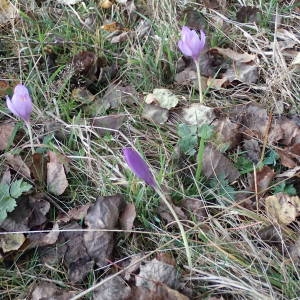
pixel 82 239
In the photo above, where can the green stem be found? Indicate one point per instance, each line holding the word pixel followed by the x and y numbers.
pixel 200 158
pixel 182 231
pixel 30 136
pixel 199 81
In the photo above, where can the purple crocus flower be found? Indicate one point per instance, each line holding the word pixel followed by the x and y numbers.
pixel 138 166
pixel 190 43
pixel 20 104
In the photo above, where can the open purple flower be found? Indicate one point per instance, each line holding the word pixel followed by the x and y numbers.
pixel 20 104
pixel 138 166
pixel 190 43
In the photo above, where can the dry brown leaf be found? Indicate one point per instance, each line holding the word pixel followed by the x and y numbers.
pixel 294 251
pixel 283 208
pixel 155 114
pixel 264 177
pixel 28 214
pixel 44 239
pixel 227 133
pixel 110 122
pixel 5 177
pixel 215 164
pixel 248 14
pixel 252 149
pixel 11 242
pixel 196 208
pixel 127 217
pixel 74 252
pixel 155 271
pixel 104 214
pixel 235 56
pixel 48 290
pixel 56 177
pixel 114 288
pixel 76 213
pixel 16 162
pixel 39 168
pixel 6 131
pixel 252 118
pixel 197 114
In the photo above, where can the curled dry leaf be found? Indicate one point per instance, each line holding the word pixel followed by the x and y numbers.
pixel 114 288
pixel 155 271
pixel 283 208
pixel 215 164
pixel 56 177
pixel 16 162
pixel 11 242
pixel 104 214
pixel 48 290
pixel 6 131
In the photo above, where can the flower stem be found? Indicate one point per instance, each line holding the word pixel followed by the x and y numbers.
pixel 30 136
pixel 199 81
pixel 199 158
pixel 182 231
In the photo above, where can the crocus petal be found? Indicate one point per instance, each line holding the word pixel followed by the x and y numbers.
pixel 184 48
pixel 10 106
pixel 20 104
pixel 190 43
pixel 138 166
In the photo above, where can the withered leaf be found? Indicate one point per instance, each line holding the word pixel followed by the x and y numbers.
pixel 12 241
pixel 44 239
pixel 227 133
pixel 196 208
pixel 162 292
pixel 48 290
pixel 16 162
pixel 114 288
pixel 127 216
pixel 110 122
pixel 283 208
pixel 104 214
pixel 264 176
pixel 155 114
pixel 248 14
pixel 39 167
pixel 162 97
pixel 6 131
pixel 197 114
pixel 76 213
pixel 156 271
pixel 56 177
pixel 215 164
